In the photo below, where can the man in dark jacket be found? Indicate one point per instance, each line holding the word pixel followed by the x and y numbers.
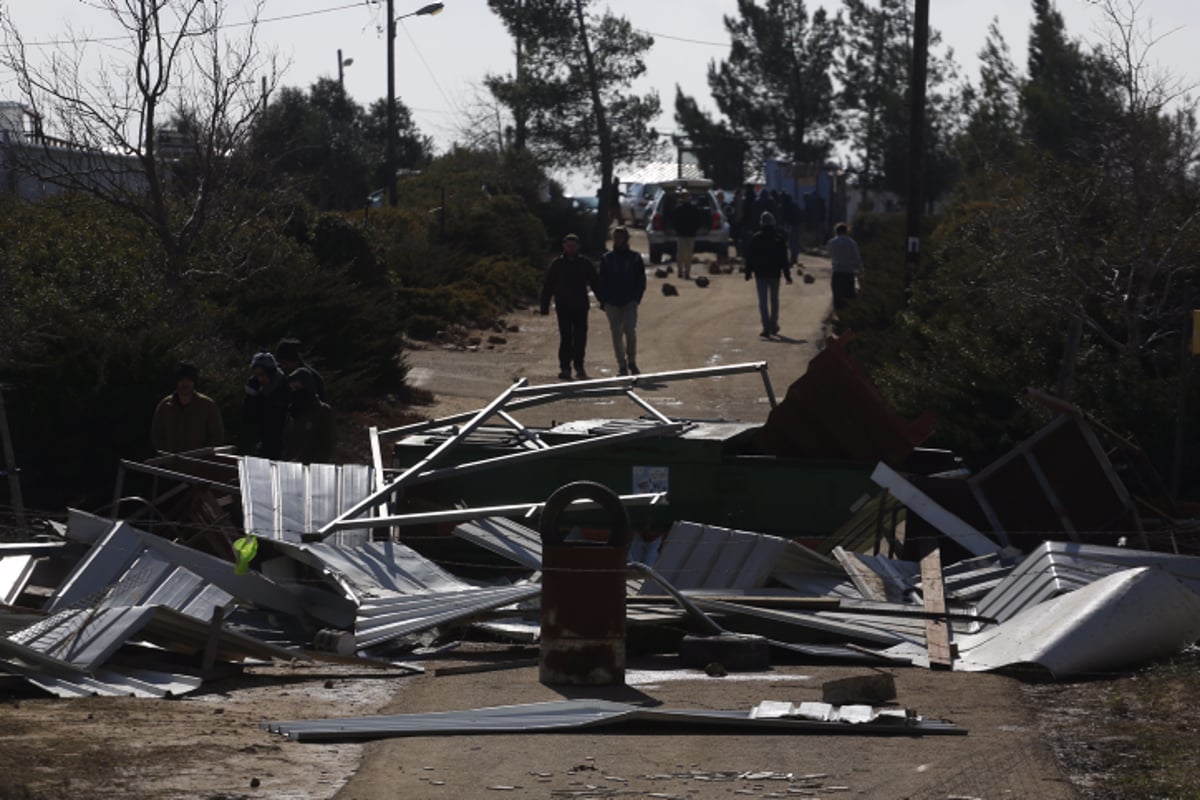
pixel 310 436
pixel 766 261
pixel 619 288
pixel 686 219
pixel 287 353
pixel 567 281
pixel 265 404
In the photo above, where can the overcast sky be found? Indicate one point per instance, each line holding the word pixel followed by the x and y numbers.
pixel 440 60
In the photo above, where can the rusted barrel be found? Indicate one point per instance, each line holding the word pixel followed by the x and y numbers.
pixel 583 593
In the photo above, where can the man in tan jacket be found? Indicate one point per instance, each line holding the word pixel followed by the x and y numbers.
pixel 186 419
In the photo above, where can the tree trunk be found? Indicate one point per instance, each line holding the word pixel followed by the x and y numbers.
pixel 606 158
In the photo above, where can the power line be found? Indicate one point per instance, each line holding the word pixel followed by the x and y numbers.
pixel 724 45
pixel 432 74
pixel 225 26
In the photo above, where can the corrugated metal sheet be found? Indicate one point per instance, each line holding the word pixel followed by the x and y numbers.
pixel 1058 567
pixel 123 682
pixel 578 714
pixel 523 545
pixel 88 637
pixel 108 561
pixel 398 591
pixel 1128 617
pixel 376 569
pixel 282 500
pixel 696 556
pixel 878 578
pixel 855 628
pixel 506 538
pixel 387 618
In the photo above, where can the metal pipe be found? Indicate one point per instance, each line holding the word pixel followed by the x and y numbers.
pixel 437 453
pixel 548 393
pixel 463 514
pixel 557 450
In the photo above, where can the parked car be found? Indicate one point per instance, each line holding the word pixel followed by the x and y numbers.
pixel 636 199
pixel 658 231
pixel 588 205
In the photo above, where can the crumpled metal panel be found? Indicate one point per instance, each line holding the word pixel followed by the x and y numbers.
pixel 512 540
pixel 523 545
pixel 576 714
pixel 1128 617
pixel 387 618
pixel 1054 568
pixel 398 591
pixel 376 569
pixel 87 636
pixel 123 682
pixel 282 500
pixel 111 558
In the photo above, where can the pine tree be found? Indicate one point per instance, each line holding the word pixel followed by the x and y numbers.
pixel 776 88
pixel 570 95
pixel 1068 91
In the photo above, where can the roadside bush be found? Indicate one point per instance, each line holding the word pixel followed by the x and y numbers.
pixel 508 281
pixel 348 331
pixel 83 399
pixel 423 327
pixel 340 243
pixel 462 303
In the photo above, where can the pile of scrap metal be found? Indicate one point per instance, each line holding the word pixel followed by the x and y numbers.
pixel 101 606
pixel 153 601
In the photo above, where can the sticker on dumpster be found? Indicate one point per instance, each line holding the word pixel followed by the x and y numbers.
pixel 651 479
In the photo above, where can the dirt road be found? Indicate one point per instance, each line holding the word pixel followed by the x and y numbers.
pixel 699 327
pixel 210 744
pixel 1003 756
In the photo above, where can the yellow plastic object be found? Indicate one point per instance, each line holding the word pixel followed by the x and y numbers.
pixel 246 548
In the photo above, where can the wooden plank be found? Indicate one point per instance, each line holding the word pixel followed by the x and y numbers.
pixel 937 628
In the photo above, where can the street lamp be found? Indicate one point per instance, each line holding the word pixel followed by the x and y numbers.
pixel 432 8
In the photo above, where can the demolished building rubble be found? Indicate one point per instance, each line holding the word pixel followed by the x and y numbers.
pixel 137 606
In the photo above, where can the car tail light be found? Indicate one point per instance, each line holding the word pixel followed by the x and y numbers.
pixel 656 223
pixel 716 221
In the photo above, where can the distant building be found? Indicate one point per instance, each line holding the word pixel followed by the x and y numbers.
pixel 34 165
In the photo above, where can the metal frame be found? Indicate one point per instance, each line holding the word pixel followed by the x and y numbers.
pixel 466 514
pixel 520 395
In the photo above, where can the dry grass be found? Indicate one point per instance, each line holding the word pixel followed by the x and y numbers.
pixel 1127 736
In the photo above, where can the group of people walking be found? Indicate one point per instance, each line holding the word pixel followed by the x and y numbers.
pixel 284 397
pixel 619 286
pixel 620 283
pixel 284 402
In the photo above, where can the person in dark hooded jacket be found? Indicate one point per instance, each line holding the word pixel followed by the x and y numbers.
pixel 287 353
pixel 309 436
pixel 620 286
pixel 567 282
pixel 767 261
pixel 265 405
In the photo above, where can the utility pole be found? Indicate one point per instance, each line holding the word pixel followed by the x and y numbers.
pixel 519 127
pixel 602 131
pixel 341 83
pixel 390 157
pixel 390 152
pixel 916 145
